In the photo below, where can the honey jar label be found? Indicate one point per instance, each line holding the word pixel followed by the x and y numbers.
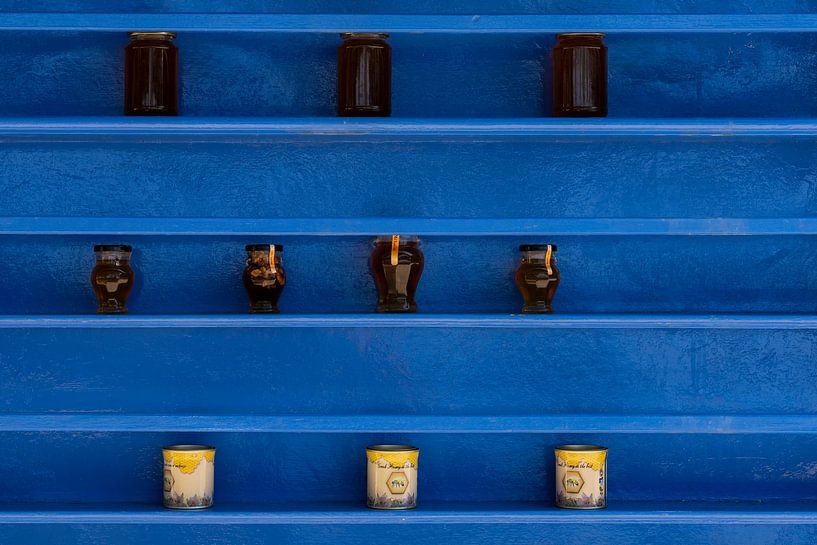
pixel 548 256
pixel 395 247
pixel 581 479
pixel 392 479
pixel 188 479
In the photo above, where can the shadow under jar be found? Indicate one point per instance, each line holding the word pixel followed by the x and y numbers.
pixel 112 278
pixel 264 277
pixel 397 264
pixel 151 74
pixel 537 277
pixel 364 75
pixel 580 75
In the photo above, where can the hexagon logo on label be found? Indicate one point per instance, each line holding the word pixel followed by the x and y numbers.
pixel 397 483
pixel 572 482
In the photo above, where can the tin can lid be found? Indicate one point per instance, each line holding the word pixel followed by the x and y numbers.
pixel 393 448
pixel 581 448
pixel 188 448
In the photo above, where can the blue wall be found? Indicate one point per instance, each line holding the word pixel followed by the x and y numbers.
pixel 685 333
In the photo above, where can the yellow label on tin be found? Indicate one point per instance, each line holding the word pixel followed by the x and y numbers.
pixel 187 462
pixel 577 458
pixel 395 246
pixel 394 459
pixel 547 259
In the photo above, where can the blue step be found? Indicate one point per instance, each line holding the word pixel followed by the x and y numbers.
pixel 663 66
pixel 454 466
pixel 571 177
pixel 356 365
pixel 402 423
pixel 317 129
pixel 463 523
pixel 426 227
pixel 767 274
pixel 472 23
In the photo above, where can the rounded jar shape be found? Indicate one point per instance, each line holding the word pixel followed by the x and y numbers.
pixel 189 472
pixel 264 276
pixel 112 278
pixel 391 476
pixel 397 264
pixel 151 74
pixel 537 277
pixel 581 476
pixel 580 75
pixel 364 75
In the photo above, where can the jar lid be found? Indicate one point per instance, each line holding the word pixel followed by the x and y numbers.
pixel 112 248
pixel 159 35
pixel 403 238
pixel 364 35
pixel 263 247
pixel 581 35
pixel 537 247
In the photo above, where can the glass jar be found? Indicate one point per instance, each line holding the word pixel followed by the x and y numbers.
pixel 264 277
pixel 151 74
pixel 364 75
pixel 580 75
pixel 397 263
pixel 112 278
pixel 537 277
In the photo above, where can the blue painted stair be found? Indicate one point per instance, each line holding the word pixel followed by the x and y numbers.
pixel 686 323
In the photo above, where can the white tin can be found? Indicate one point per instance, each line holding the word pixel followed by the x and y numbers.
pixel 581 477
pixel 188 476
pixel 392 476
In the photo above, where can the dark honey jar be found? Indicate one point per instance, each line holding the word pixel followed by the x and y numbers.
pixel 397 264
pixel 264 276
pixel 151 74
pixel 537 277
pixel 364 75
pixel 112 278
pixel 580 75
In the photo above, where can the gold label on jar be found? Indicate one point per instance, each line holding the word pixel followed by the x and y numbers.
pixel 272 258
pixel 548 255
pixel 581 477
pixel 395 246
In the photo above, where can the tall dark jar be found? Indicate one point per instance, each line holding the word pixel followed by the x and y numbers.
pixel 580 75
pixel 151 74
pixel 364 75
